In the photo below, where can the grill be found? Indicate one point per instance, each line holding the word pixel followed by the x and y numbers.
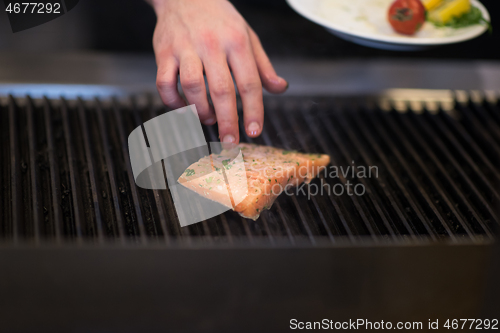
pixel 83 249
pixel 66 175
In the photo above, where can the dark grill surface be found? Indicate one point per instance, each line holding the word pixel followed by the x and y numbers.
pixel 66 174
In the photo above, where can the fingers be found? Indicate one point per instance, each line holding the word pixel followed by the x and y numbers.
pixel 221 86
pixel 166 83
pixel 247 79
pixel 270 80
pixel 193 86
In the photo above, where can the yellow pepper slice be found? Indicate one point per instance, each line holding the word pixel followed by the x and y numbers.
pixel 449 9
pixel 431 4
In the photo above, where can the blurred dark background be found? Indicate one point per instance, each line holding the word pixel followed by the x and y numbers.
pixel 127 26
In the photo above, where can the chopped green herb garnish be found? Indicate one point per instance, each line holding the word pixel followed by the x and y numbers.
pixel 209 179
pixel 226 164
pixel 190 172
pixel 472 17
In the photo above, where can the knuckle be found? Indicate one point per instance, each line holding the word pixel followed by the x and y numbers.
pixel 165 81
pixel 170 100
pixel 164 84
pixel 222 90
pixel 238 39
pixel 249 87
pixel 210 41
pixel 203 112
pixel 192 83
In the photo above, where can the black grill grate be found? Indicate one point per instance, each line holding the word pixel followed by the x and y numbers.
pixel 66 175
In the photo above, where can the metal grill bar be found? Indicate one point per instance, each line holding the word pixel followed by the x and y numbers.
pixel 450 158
pixel 409 148
pixel 156 194
pixel 348 157
pixel 35 186
pixel 124 146
pixel 339 212
pixel 111 171
pixel 434 181
pixel 406 193
pixel 478 128
pixel 66 175
pixel 382 133
pixel 55 182
pixel 354 199
pixel 202 230
pixel 467 156
pixel 15 170
pixel 293 124
pixel 158 197
pixel 75 187
pixel 268 141
pixel 364 154
pixel 305 224
pixel 92 173
pixel 482 114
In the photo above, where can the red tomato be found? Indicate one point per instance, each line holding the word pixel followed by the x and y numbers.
pixel 406 16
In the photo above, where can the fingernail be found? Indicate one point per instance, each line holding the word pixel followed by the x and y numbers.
pixel 210 121
pixel 228 139
pixel 253 128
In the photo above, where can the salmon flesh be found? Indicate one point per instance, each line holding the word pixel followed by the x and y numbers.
pixel 250 179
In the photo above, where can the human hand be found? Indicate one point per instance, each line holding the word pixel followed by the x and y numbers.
pixel 193 37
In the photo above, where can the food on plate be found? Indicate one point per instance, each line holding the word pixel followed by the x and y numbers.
pixel 250 182
pixel 406 16
pixel 445 11
pixel 456 14
pixel 431 4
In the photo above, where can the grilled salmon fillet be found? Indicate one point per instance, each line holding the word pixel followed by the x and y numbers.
pixel 250 182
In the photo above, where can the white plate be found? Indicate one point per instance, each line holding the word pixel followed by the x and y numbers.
pixel 365 22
